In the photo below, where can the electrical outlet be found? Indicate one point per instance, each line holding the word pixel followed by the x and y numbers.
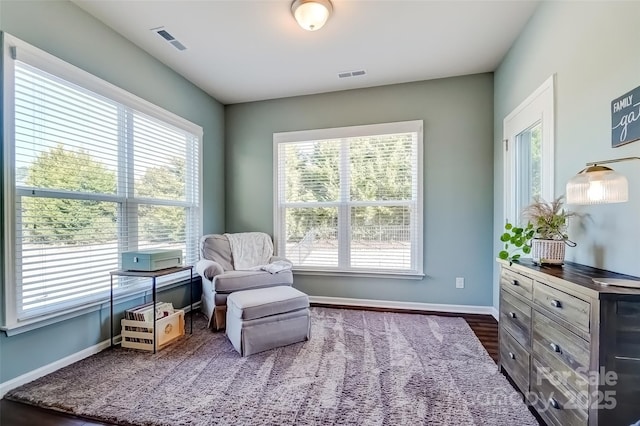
pixel 459 282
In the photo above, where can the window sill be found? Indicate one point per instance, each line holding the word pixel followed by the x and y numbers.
pixel 45 320
pixel 363 274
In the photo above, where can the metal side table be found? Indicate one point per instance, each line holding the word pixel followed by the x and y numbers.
pixel 153 275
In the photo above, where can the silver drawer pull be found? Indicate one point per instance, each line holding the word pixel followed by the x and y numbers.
pixel 512 314
pixel 554 403
pixel 556 304
pixel 555 347
pixel 515 282
pixel 512 355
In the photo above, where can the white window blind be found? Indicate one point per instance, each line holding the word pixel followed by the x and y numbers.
pixel 92 177
pixel 350 199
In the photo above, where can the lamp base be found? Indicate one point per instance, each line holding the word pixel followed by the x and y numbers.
pixel 617 282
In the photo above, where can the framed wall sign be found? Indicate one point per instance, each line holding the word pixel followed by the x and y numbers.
pixel 625 118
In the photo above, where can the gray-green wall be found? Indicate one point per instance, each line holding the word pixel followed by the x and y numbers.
pixel 591 47
pixel 66 31
pixel 458 178
pixel 594 50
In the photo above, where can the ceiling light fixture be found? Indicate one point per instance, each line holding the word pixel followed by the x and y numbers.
pixel 311 14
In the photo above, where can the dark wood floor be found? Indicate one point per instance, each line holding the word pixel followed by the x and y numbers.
pixel 486 328
pixel 18 414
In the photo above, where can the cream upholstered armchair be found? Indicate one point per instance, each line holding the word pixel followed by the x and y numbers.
pixel 234 262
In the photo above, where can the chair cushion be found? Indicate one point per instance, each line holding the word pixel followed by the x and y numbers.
pixel 216 247
pixel 245 280
pixel 264 302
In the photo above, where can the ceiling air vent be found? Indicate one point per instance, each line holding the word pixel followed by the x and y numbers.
pixel 165 35
pixel 351 74
pixel 178 45
pixel 169 38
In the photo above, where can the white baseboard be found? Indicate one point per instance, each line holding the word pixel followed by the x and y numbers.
pixel 50 368
pixel 495 314
pixel 56 365
pixel 196 306
pixel 417 306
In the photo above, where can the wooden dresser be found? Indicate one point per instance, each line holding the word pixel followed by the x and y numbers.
pixel 572 347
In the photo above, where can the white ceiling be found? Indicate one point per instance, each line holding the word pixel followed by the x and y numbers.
pixel 247 50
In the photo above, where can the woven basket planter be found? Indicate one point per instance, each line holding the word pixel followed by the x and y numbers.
pixel 549 252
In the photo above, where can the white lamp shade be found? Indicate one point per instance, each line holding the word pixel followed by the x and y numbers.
pixel 597 185
pixel 311 14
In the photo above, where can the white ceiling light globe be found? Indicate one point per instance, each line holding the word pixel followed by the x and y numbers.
pixel 311 14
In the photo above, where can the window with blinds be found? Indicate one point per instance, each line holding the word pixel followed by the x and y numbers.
pixel 350 199
pixel 94 175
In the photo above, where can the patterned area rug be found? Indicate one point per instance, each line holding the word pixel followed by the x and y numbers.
pixel 359 368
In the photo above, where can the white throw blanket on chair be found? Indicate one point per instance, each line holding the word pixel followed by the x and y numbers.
pixel 250 249
pixel 277 266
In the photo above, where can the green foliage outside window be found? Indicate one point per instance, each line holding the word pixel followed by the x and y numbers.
pixel 163 223
pixel 70 221
pixel 65 220
pixel 380 169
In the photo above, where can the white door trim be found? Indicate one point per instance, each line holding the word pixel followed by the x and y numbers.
pixel 538 106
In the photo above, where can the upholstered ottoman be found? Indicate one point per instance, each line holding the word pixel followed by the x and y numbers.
pixel 266 318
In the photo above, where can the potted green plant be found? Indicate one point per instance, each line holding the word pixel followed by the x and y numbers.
pixel 517 241
pixel 550 221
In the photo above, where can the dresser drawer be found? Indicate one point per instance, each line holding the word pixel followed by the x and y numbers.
pixel 562 351
pixel 570 308
pixel 515 360
pixel 515 317
pixel 554 401
pixel 516 283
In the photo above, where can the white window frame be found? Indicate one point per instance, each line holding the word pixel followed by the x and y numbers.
pixel 537 107
pixel 12 48
pixel 417 257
